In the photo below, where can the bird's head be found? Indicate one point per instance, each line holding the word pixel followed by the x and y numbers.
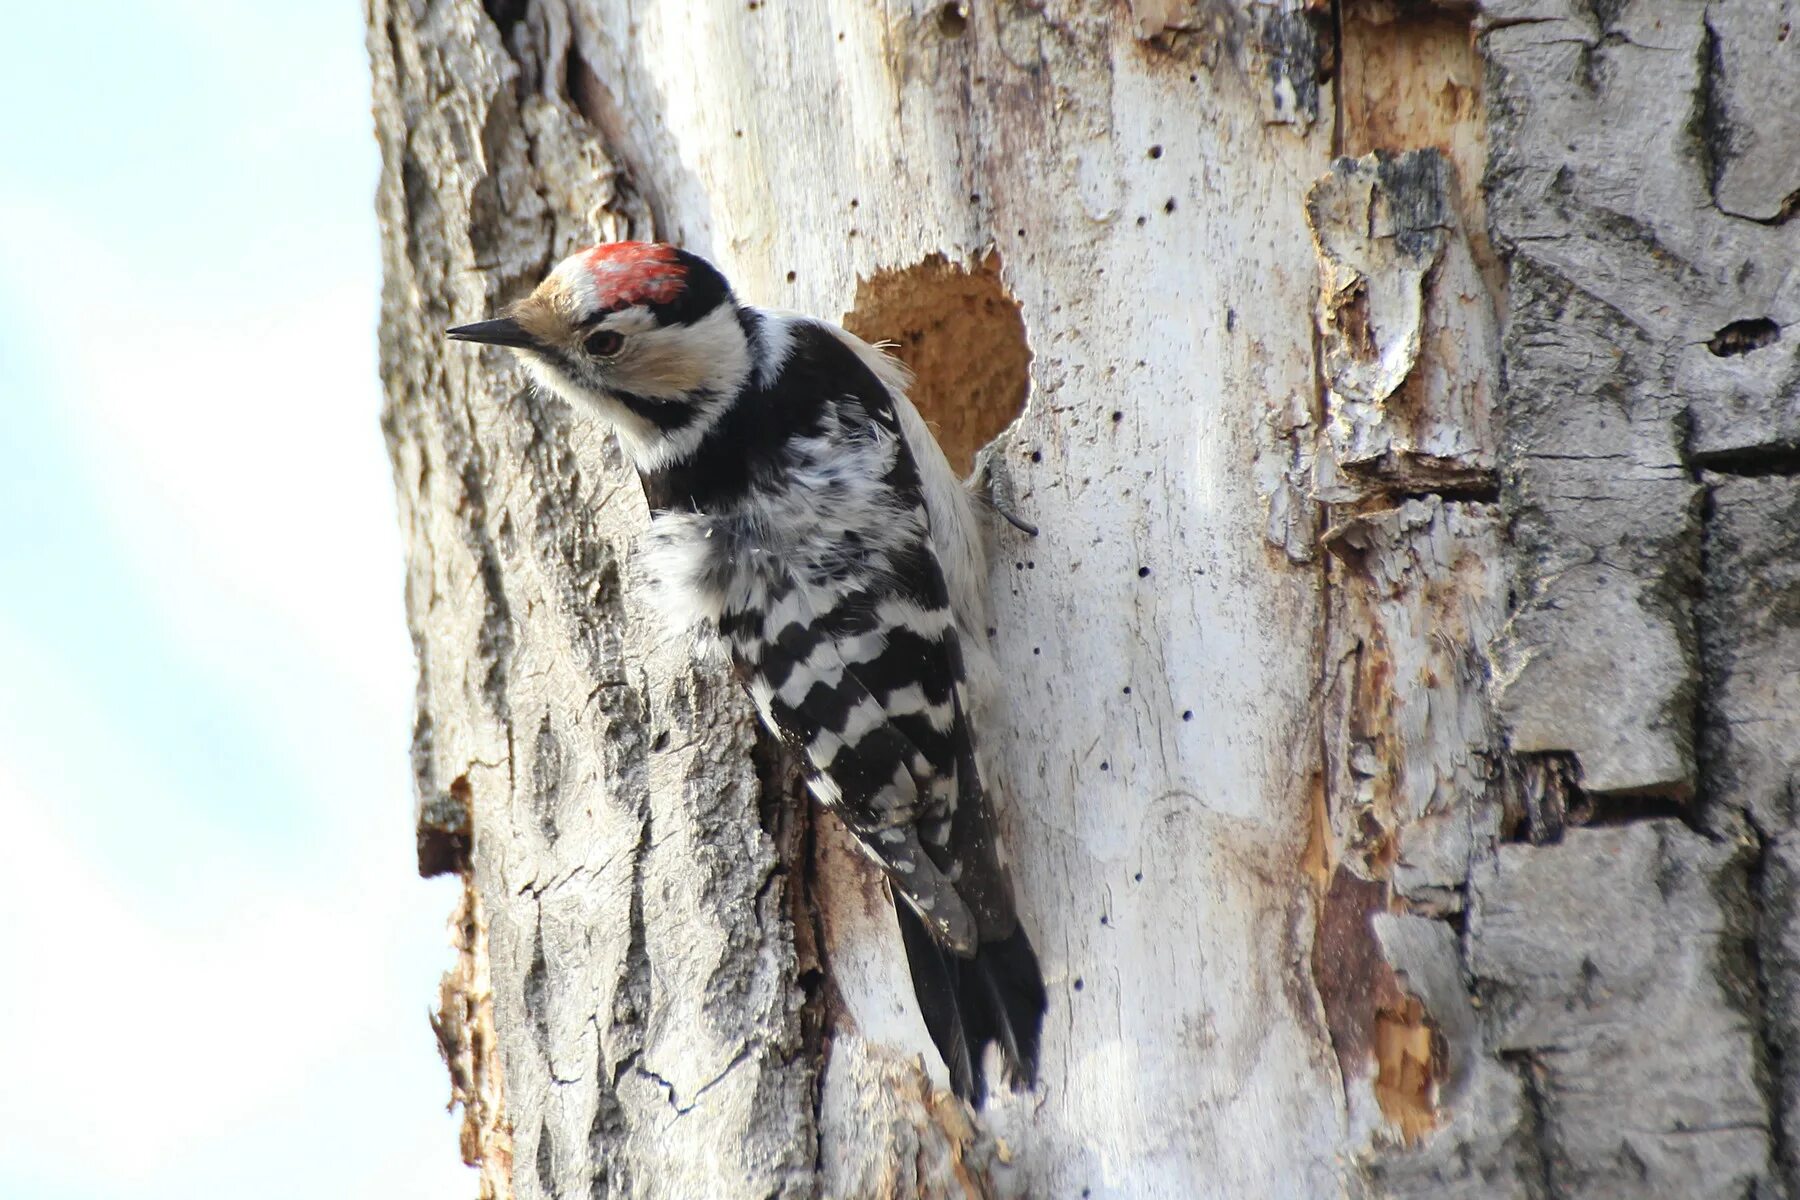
pixel 644 335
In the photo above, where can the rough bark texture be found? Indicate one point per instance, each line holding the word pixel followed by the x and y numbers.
pixel 1405 686
pixel 1627 916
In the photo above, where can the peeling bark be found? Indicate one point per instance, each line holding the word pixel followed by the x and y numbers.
pixel 1398 419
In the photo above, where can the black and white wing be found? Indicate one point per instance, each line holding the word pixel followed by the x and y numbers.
pixel 851 653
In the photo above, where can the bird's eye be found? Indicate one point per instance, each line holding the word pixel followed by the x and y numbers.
pixel 604 344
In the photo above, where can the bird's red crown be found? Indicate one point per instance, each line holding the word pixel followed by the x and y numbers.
pixel 628 273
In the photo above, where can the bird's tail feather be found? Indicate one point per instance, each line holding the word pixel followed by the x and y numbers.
pixel 996 996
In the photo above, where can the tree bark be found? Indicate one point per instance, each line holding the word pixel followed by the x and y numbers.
pixel 1403 689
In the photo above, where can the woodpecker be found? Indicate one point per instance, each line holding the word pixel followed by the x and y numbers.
pixel 801 509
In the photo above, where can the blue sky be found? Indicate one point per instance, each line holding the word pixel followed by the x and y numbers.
pixel 219 956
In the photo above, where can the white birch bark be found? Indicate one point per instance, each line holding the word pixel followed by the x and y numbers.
pixel 1334 636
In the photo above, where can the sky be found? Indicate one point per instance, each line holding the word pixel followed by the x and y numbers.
pixel 218 955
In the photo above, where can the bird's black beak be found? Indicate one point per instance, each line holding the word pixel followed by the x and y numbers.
pixel 501 331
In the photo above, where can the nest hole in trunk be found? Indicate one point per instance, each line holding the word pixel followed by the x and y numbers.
pixel 963 337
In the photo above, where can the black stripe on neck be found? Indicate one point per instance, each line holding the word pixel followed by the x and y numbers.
pixel 667 415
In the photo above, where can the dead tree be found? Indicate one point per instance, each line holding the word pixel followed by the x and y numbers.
pixel 1404 688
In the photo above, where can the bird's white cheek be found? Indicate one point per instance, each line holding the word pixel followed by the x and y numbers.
pixel 582 397
pixel 711 355
pixel 642 441
pixel 659 371
pixel 550 378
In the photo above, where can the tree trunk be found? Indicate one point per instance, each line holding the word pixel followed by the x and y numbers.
pixel 1404 688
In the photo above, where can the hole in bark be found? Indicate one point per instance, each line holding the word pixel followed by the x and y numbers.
pixel 963 338
pixel 444 839
pixel 1352 317
pixel 1602 809
pixel 505 13
pixel 1774 458
pixel 953 20
pixel 1548 800
pixel 1741 337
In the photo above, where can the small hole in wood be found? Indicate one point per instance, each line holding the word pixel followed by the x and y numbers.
pixel 953 20
pixel 1741 337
